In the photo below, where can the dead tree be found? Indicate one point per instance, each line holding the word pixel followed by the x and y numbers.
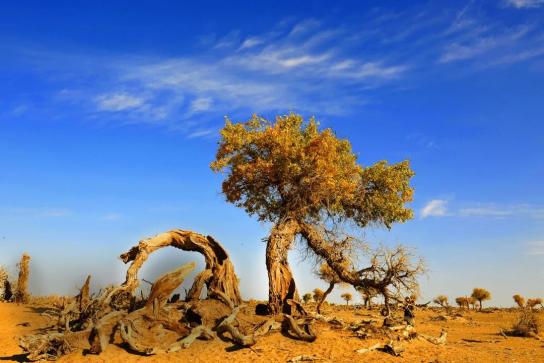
pixel 21 293
pixel 219 275
pixel 83 297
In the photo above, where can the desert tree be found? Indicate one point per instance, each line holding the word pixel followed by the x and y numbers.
pixel 347 297
pixel 307 297
pixel 532 303
pixel 318 294
pixel 327 274
pixel 307 183
pixel 21 292
pixel 480 294
pixel 471 302
pixel 441 300
pixel 462 301
pixel 367 294
pixel 520 300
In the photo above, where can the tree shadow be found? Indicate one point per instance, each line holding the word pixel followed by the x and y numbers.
pixel 23 357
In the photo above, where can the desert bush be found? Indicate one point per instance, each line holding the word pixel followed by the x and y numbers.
pixel 480 294
pixel 533 303
pixel 56 301
pixel 520 300
pixel 307 298
pixel 347 297
pixel 527 324
pixel 441 300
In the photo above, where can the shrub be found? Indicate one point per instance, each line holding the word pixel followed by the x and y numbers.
pixel 441 300
pixel 527 324
pixel 520 300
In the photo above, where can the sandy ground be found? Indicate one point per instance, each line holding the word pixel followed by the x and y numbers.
pixel 332 345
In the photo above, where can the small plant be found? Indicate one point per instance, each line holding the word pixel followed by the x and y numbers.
pixel 480 295
pixel 520 300
pixel 441 300
pixel 533 303
pixel 527 324
pixel 307 298
pixel 347 297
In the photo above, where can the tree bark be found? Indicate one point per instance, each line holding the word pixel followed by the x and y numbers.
pixel 219 275
pixel 281 285
pixel 21 293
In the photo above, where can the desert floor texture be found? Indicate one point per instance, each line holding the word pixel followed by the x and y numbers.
pixel 472 338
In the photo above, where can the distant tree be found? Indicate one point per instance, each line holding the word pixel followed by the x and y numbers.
pixel 532 303
pixel 441 300
pixel 307 298
pixel 480 294
pixel 4 285
pixel 462 302
pixel 367 294
pixel 471 302
pixel 347 297
pixel 327 274
pixel 307 183
pixel 520 300
pixel 318 294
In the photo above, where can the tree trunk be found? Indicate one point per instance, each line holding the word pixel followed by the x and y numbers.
pixel 21 293
pixel 219 276
pixel 281 285
pixel 325 294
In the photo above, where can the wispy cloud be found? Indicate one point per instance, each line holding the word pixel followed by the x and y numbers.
pixel 434 208
pixel 111 217
pixel 524 4
pixel 118 102
pixel 441 208
pixel 296 65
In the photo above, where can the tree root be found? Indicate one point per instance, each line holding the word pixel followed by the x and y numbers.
pixel 300 330
pixel 237 337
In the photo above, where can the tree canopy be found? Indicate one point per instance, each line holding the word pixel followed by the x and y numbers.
pixel 290 169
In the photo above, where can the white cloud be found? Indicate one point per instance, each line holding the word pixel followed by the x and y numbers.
pixel 201 104
pixel 204 133
pixel 524 4
pixel 434 208
pixel 118 102
pixel 502 211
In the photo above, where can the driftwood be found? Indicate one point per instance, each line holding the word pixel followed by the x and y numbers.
pixel 441 340
pixel 83 297
pixel 300 329
pixel 227 325
pixel 391 348
pixel 218 276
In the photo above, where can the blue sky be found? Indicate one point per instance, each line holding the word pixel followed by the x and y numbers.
pixel 109 118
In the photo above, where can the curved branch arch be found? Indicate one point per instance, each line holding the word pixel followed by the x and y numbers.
pixel 219 275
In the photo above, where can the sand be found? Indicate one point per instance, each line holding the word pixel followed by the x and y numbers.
pixel 473 338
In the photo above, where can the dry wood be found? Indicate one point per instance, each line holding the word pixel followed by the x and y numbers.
pixel 227 326
pixel 218 276
pixel 304 333
pixel 441 340
pixel 167 283
pixel 83 297
pixel 200 331
pixel 21 292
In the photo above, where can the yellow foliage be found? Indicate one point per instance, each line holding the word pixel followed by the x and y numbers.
pixel 290 169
